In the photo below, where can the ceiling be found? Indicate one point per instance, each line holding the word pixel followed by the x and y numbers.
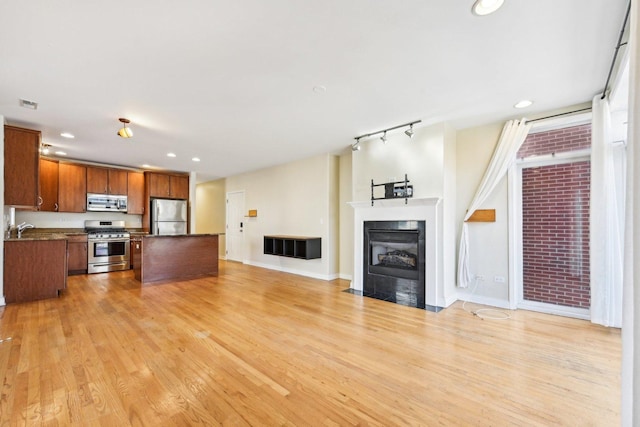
pixel 249 84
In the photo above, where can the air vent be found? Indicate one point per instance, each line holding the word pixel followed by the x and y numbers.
pixel 28 104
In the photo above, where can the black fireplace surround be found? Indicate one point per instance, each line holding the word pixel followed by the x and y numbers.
pixel 394 261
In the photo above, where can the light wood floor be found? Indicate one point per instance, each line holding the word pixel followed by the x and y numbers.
pixel 257 347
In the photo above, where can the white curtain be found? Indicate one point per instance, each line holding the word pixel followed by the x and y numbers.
pixel 608 167
pixel 512 137
pixel 630 415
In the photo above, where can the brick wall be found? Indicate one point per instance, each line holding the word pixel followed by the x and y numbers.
pixel 556 141
pixel 555 218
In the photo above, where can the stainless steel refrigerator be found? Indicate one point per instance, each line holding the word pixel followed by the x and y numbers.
pixel 168 217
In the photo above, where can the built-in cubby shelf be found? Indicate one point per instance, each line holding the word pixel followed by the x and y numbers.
pixel 293 246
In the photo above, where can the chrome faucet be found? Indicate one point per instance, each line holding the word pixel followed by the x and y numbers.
pixel 22 227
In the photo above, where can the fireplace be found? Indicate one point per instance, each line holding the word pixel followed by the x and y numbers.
pixel 394 261
pixel 423 214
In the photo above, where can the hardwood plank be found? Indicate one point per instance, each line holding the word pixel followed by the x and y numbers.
pixel 259 347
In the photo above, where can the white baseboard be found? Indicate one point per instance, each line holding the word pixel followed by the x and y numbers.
pixel 348 277
pixel 2 301
pixel 326 277
pixel 479 299
pixel 558 310
pixel 450 300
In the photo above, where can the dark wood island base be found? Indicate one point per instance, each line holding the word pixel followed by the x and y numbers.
pixel 161 259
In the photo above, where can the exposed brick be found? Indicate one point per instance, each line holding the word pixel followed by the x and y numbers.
pixel 555 214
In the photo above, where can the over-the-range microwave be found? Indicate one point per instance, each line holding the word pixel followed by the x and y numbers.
pixel 106 203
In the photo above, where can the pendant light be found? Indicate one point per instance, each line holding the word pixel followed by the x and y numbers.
pixel 125 132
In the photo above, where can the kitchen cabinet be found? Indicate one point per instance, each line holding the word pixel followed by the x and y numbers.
pixel 48 200
pixel 135 252
pixel 77 254
pixel 135 193
pixel 179 186
pixel 106 181
pixel 21 167
pixel 169 186
pixel 176 258
pixel 34 269
pixel 72 188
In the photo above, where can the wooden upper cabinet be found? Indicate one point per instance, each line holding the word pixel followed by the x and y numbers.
pixel 170 186
pixel 135 193
pixel 48 185
pixel 106 181
pixel 118 182
pixel 72 188
pixel 159 185
pixel 97 180
pixel 21 167
pixel 179 187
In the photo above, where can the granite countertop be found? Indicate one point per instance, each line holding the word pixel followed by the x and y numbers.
pixel 37 236
pixel 59 233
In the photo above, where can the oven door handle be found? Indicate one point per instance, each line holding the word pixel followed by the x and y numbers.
pixel 114 239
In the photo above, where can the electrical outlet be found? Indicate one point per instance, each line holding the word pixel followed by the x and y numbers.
pixel 499 279
pixel 479 277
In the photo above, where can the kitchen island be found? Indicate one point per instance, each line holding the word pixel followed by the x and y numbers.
pixel 161 259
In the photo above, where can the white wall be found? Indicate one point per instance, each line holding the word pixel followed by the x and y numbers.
pixel 292 199
pixel 429 160
pixel 210 213
pixel 346 217
pixel 488 241
pixel 420 157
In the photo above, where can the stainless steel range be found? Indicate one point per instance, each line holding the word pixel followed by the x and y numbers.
pixel 108 246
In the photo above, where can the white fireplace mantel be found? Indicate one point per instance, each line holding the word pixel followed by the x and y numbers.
pixel 418 209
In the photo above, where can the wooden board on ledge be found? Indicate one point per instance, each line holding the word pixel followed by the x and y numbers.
pixel 483 215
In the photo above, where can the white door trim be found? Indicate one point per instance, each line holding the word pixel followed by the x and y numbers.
pixel 229 235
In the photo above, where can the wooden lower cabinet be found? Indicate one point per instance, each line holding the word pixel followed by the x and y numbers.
pixel 34 269
pixel 77 259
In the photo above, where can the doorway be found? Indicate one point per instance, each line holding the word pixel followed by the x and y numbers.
pixel 235 226
pixel 553 186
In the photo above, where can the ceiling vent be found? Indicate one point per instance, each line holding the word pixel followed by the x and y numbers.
pixel 29 104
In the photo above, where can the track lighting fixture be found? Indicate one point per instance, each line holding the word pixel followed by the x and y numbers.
pixel 45 149
pixel 409 132
pixel 383 138
pixel 125 132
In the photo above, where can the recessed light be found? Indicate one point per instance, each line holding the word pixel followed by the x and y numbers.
pixel 196 159
pixel 319 89
pixel 485 7
pixel 523 104
pixel 61 153
pixel 171 154
pixel 146 166
pixel 67 135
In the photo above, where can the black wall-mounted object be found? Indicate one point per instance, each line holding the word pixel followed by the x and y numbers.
pixel 293 246
pixel 393 190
